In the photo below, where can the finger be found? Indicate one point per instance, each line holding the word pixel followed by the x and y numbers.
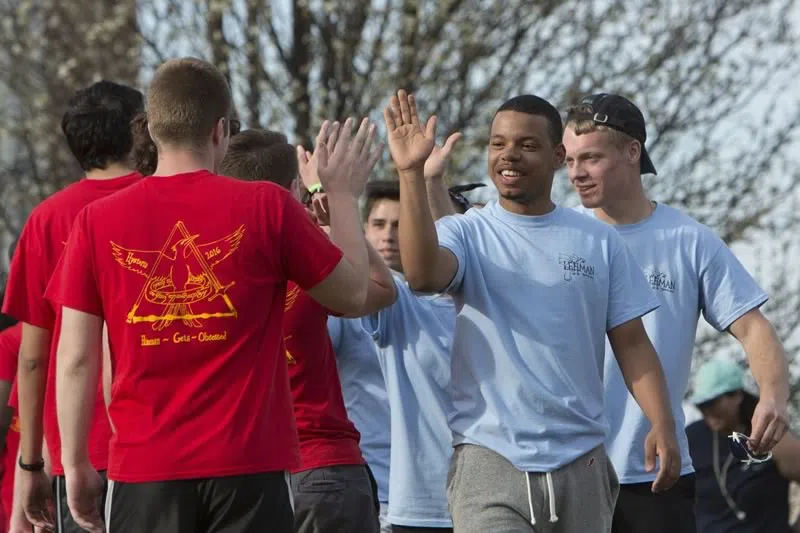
pixel 365 150
pixel 361 136
pixel 412 104
pixel 322 155
pixel 302 157
pixel 396 113
pixel 430 127
pixel 780 432
pixel 450 143
pixel 324 131
pixel 345 132
pixel 333 137
pixel 649 455
pixel 375 156
pixel 388 118
pixel 768 439
pixel 662 478
pixel 760 423
pixel 405 108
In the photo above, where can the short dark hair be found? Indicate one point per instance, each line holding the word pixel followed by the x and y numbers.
pixel 534 105
pixel 379 190
pixel 258 155
pixel 97 123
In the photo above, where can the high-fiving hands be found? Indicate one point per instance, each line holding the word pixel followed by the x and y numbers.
pixel 409 144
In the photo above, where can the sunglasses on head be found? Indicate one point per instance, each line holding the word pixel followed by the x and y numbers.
pixel 737 442
pixel 235 126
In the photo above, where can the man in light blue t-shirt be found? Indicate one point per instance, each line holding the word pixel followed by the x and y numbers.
pixel 692 271
pixel 536 289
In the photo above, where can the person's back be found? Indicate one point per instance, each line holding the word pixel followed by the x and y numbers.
pixel 96 126
pixel 183 266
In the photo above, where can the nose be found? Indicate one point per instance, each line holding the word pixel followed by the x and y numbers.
pixel 389 234
pixel 510 153
pixel 576 171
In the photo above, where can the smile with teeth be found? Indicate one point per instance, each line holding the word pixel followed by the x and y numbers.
pixel 510 173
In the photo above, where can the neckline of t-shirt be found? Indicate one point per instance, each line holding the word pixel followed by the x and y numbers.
pixel 642 224
pixel 179 178
pixel 109 183
pixel 525 220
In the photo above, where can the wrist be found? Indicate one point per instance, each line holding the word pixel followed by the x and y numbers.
pixel 31 466
pixel 412 174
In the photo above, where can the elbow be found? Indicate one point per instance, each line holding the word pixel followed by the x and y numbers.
pixel 420 282
pixel 353 301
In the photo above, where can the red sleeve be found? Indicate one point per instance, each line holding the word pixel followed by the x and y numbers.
pixel 13 398
pixel 308 254
pixel 74 283
pixel 10 339
pixel 27 280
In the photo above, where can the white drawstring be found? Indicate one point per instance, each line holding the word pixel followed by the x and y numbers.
pixel 530 498
pixel 551 496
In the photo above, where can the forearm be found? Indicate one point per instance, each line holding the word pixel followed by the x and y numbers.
pixel 76 391
pixel 31 383
pixel 381 291
pixel 645 379
pixel 419 244
pixel 439 198
pixel 768 361
pixel 346 232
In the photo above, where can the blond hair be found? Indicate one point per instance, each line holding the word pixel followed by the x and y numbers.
pixel 185 100
pixel 585 125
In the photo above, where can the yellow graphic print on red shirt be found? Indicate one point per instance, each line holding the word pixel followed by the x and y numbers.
pixel 179 279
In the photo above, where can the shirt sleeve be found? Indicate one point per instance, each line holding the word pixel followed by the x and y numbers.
pixel 629 296
pixel 377 325
pixel 27 280
pixel 74 282
pixel 451 236
pixel 308 255
pixel 727 290
pixel 9 352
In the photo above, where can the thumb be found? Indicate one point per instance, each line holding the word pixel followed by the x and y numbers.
pixel 450 143
pixel 430 127
pixel 302 156
pixel 649 454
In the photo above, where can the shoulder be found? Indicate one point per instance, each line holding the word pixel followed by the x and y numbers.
pixel 677 220
pixel 51 207
pixel 11 338
pixel 697 430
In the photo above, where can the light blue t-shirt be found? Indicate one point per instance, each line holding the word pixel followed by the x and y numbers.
pixel 364 392
pixel 414 336
pixel 535 297
pixel 691 270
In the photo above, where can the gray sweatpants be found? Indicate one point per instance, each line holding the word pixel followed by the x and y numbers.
pixel 487 493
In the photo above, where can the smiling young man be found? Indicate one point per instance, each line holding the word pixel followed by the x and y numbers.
pixel 536 288
pixel 692 272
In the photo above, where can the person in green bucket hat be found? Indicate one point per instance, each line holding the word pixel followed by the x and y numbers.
pixel 734 495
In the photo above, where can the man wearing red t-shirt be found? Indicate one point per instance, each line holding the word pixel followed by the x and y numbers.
pixel 10 339
pixel 96 125
pixel 332 486
pixel 189 271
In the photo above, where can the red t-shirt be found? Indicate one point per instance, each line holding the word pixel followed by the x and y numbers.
pixel 40 245
pixel 10 340
pixel 190 272
pixel 327 436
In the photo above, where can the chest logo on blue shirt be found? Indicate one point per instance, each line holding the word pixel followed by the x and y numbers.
pixel 658 280
pixel 575 266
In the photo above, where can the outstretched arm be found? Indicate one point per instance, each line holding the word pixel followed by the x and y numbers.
pixel 427 266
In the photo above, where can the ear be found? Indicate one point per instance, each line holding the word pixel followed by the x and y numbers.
pixel 559 155
pixel 218 134
pixel 634 152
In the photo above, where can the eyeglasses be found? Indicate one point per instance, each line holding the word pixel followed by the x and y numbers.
pixel 737 442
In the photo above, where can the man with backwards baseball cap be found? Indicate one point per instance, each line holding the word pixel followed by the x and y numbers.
pixel 692 271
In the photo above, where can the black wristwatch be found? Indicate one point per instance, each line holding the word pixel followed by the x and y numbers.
pixel 34 467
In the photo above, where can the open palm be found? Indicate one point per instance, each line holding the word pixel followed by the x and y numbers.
pixel 409 144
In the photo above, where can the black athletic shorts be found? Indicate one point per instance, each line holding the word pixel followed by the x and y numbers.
pixel 639 510
pixel 255 503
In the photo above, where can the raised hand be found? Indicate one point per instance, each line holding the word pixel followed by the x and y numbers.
pixel 341 159
pixel 437 161
pixel 409 144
